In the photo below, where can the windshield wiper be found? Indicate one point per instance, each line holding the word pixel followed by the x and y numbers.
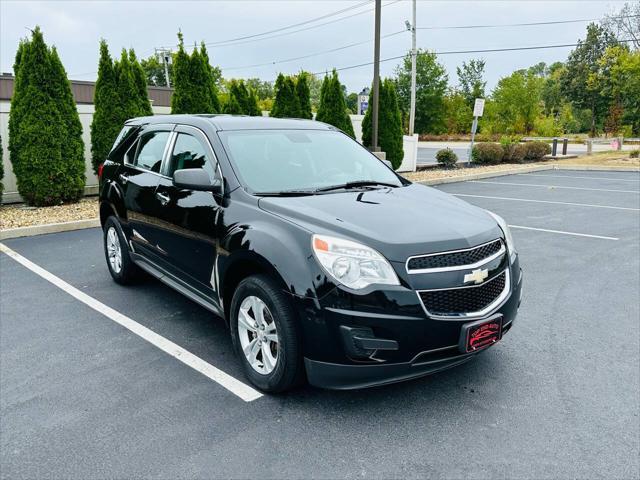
pixel 286 193
pixel 356 184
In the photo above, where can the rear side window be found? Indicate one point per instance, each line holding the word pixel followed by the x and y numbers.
pixel 189 152
pixel 151 150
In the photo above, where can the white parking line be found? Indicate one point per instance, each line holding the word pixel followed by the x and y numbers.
pixel 235 386
pixel 563 232
pixel 555 186
pixel 637 180
pixel 546 201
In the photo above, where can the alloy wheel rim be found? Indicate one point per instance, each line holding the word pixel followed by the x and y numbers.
pixel 258 335
pixel 114 252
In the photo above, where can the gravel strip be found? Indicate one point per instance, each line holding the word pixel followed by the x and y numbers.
pixel 15 216
pixel 439 173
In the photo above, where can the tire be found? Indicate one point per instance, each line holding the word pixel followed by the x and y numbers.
pixel 288 369
pixel 123 271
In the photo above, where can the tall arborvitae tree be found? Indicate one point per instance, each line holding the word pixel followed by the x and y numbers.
pixel 286 103
pixel 127 90
pixel 140 82
pixel 233 105
pixel 45 143
pixel 253 108
pixel 194 87
pixel 209 72
pixel 107 117
pixel 389 124
pixel 304 95
pixel 332 109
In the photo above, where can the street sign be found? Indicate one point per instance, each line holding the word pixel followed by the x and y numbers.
pixel 478 108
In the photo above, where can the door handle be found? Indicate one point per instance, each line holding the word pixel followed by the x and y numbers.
pixel 164 199
pixel 123 178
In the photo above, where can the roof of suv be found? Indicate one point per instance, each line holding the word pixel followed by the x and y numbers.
pixel 236 122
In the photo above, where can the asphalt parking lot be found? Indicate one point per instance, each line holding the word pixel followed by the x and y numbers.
pixel 83 397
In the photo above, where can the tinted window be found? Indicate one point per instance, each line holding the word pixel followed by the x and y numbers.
pixel 189 152
pixel 150 150
pixel 276 160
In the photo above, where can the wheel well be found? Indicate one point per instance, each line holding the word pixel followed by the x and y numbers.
pixel 240 270
pixel 105 212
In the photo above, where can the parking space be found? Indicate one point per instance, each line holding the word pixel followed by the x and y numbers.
pixel 83 397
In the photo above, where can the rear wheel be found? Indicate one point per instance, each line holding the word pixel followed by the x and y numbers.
pixel 120 265
pixel 264 334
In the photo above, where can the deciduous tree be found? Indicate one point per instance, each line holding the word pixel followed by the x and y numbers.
pixel 431 86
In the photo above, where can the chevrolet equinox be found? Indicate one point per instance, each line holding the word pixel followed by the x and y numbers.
pixel 325 264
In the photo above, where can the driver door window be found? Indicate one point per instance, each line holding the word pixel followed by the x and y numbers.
pixel 189 152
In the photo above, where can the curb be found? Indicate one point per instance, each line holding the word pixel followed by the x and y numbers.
pixel 597 168
pixel 48 228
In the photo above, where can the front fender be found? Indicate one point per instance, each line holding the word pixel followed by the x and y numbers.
pixel 281 247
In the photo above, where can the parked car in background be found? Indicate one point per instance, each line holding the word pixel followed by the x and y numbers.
pixel 324 263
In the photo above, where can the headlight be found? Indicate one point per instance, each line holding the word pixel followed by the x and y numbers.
pixel 507 233
pixel 352 264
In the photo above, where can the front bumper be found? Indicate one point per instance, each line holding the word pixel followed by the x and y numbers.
pixel 425 345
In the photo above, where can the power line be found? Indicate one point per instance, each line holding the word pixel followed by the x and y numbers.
pixel 453 52
pixel 306 22
pixel 280 32
pixel 554 22
pixel 344 47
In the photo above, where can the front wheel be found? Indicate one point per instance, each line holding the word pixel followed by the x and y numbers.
pixel 264 334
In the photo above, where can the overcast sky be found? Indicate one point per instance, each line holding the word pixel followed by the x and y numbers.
pixel 75 27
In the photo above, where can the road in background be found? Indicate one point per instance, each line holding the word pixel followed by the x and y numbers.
pixel 427 150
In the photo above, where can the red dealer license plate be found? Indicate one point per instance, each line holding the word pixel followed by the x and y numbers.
pixel 481 334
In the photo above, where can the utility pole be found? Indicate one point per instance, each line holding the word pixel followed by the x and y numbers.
pixel 414 55
pixel 166 58
pixel 376 79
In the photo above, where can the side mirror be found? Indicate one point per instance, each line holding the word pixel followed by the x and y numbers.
pixel 196 179
pixel 388 164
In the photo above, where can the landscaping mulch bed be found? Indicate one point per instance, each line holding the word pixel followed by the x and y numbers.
pixel 19 215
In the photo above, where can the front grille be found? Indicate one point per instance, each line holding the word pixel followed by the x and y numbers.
pixel 455 259
pixel 463 300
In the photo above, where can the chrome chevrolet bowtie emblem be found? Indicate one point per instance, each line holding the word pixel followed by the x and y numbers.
pixel 476 276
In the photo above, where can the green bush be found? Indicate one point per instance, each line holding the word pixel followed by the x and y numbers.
pixel 633 154
pixel 332 108
pixel 513 151
pixel 447 157
pixel 535 151
pixel 389 124
pixel 487 154
pixel 45 134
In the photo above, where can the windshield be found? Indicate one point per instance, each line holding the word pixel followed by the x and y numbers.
pixel 271 161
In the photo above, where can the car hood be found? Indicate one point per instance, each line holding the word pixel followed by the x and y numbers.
pixel 398 222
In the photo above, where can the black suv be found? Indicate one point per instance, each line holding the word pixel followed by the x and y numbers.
pixel 322 260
